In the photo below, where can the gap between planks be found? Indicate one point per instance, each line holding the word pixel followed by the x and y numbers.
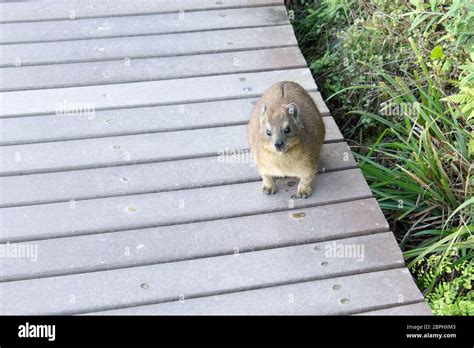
pixel 176 9
pixel 143 56
pixel 136 35
pixel 148 24
pixel 184 91
pixel 173 45
pixel 394 306
pixel 183 102
pixel 156 69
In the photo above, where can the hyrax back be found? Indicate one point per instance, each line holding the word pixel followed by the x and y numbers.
pixel 286 133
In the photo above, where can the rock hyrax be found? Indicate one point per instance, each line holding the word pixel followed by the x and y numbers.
pixel 286 133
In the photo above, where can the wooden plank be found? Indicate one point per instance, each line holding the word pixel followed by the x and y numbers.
pixel 309 298
pixel 131 121
pixel 104 290
pixel 197 240
pixel 133 179
pixel 130 149
pixel 93 28
pixel 196 89
pixel 77 9
pixel 420 308
pixel 150 69
pixel 126 49
pixel 168 208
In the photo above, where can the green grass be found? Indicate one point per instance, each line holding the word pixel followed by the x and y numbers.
pixel 399 79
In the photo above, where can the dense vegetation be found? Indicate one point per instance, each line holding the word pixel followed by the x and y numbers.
pixel 398 76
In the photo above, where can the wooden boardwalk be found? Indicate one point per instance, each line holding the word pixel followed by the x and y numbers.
pixel 125 181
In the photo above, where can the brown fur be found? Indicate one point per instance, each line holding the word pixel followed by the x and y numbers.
pixel 302 145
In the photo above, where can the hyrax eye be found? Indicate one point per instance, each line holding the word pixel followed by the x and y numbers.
pixel 287 130
pixel 269 133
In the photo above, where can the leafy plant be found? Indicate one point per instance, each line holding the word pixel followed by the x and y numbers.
pixel 420 169
pixel 398 78
pixel 453 294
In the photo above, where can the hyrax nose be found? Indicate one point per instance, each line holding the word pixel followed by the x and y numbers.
pixel 279 145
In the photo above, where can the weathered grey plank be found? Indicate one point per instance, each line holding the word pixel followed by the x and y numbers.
pixel 143 24
pixel 199 277
pixel 81 125
pixel 308 298
pixel 128 48
pixel 203 239
pixel 420 308
pixel 164 92
pixel 167 208
pixel 76 9
pixel 150 69
pixel 150 177
pixel 130 149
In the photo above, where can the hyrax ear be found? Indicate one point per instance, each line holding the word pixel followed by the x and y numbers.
pixel 294 111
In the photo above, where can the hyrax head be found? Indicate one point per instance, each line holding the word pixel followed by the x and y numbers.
pixel 280 127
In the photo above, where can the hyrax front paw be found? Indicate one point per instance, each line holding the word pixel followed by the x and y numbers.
pixel 269 186
pixel 269 190
pixel 304 192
